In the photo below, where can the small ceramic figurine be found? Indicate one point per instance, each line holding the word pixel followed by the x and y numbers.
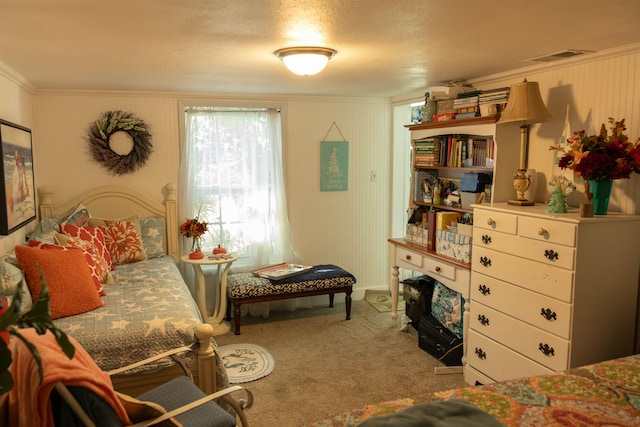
pixel 561 186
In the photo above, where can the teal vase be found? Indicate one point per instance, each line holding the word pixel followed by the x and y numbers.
pixel 601 192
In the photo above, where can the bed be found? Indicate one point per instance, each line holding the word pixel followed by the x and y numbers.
pixel 148 307
pixel 605 393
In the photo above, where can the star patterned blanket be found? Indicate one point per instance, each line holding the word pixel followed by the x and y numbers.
pixel 148 310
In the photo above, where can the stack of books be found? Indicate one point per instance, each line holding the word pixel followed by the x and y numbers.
pixel 466 104
pixel 494 96
pixel 426 152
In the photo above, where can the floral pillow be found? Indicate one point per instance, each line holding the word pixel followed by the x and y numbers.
pixel 89 256
pixel 11 277
pixel 71 287
pixel 123 239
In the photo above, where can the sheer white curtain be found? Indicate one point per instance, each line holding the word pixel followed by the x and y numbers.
pixel 231 176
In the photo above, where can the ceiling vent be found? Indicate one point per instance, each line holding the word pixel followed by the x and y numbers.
pixel 564 54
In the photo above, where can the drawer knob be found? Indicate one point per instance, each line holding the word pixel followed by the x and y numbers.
pixel 480 353
pixel 551 255
pixel 486 239
pixel 542 231
pixel 438 268
pixel 546 349
pixel 490 221
pixel 408 257
pixel 486 262
pixel 484 290
pixel 484 321
pixel 548 314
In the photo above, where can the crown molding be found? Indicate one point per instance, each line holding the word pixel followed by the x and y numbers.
pixel 15 77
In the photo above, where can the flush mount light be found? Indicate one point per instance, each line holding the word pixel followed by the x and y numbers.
pixel 306 60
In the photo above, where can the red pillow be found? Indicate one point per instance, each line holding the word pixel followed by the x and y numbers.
pixel 88 255
pixel 67 275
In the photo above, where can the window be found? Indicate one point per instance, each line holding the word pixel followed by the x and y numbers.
pixel 231 177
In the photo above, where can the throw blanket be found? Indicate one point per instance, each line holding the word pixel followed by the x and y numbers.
pixel 29 403
pixel 450 413
pixel 317 272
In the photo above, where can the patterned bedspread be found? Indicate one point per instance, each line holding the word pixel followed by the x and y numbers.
pixel 602 394
pixel 148 310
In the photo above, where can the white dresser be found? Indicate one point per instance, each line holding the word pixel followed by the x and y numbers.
pixel 549 291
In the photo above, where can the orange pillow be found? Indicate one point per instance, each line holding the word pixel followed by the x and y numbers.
pixel 71 288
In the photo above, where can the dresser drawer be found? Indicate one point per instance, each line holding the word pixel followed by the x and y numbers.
pixel 497 361
pixel 550 314
pixel 498 221
pixel 548 231
pixel 405 256
pixel 543 347
pixel 545 279
pixel 546 252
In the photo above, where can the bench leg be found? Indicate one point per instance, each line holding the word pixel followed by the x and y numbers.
pixel 331 299
pixel 236 315
pixel 347 300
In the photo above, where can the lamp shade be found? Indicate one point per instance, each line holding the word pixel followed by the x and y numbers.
pixel 305 61
pixel 525 104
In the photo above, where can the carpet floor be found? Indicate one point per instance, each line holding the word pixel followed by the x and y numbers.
pixel 326 364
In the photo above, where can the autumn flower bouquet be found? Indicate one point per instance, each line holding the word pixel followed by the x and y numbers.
pixel 602 157
pixel 194 228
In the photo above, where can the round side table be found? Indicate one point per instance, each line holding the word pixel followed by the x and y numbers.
pixel 216 320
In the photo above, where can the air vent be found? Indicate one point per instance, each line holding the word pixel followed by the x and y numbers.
pixel 564 54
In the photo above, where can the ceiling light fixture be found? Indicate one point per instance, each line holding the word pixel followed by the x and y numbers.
pixel 306 60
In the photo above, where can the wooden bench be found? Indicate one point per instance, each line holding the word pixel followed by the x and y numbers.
pixel 244 288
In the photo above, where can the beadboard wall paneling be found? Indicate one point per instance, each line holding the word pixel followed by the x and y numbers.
pixel 64 161
pixel 593 91
pixel 348 228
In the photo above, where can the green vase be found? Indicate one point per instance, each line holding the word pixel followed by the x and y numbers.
pixel 601 191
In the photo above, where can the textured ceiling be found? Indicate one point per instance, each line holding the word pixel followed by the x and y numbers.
pixel 385 48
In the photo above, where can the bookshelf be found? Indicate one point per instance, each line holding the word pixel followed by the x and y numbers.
pixel 498 146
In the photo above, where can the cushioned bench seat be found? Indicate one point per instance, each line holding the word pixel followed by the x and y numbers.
pixel 244 288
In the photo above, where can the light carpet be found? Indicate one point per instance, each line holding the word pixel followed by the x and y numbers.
pixel 381 300
pixel 246 362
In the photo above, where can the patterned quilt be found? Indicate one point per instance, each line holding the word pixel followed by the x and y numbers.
pixel 602 394
pixel 148 310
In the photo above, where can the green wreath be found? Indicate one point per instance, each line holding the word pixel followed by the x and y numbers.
pixel 111 122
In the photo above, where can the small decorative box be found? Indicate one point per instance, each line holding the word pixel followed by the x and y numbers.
pixel 453 245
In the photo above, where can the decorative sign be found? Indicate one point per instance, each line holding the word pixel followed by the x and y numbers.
pixel 334 165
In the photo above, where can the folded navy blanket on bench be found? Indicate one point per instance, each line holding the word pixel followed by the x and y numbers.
pixel 317 272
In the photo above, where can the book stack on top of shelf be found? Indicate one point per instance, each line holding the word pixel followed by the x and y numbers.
pixel 466 104
pixel 494 96
pixel 426 152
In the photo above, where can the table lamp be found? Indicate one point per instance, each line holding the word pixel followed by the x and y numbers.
pixel 525 106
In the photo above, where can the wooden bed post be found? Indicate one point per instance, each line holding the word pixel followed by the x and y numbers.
pixel 46 201
pixel 206 359
pixel 171 207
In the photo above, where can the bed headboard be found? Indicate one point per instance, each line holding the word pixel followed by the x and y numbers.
pixel 120 202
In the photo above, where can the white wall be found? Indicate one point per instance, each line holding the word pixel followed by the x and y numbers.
pixel 343 228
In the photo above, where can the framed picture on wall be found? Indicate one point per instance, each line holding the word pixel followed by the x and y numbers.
pixel 18 194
